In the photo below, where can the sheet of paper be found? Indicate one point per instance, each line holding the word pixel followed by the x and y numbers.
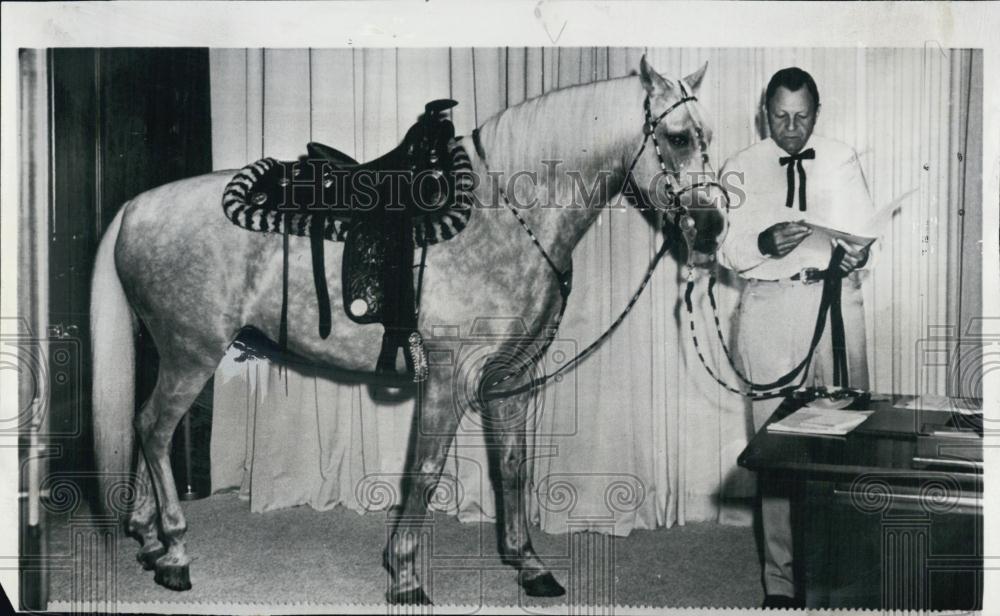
pixel 935 402
pixel 866 232
pixel 830 422
pixel 825 234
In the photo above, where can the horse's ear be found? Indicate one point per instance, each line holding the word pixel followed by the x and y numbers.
pixel 653 82
pixel 693 80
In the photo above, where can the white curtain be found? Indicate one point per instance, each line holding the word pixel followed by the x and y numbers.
pixel 638 436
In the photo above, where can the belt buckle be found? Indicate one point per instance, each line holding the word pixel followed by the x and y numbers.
pixel 804 275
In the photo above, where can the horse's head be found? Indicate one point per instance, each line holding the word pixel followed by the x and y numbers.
pixel 672 173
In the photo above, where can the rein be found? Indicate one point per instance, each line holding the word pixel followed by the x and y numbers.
pixel 686 223
pixel 782 386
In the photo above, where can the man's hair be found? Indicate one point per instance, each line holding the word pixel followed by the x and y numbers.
pixel 792 78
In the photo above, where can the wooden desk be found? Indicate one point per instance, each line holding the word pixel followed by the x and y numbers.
pixel 888 517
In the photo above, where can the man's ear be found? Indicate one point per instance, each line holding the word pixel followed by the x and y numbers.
pixel 654 84
pixel 693 80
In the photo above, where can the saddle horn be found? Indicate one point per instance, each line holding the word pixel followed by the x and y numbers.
pixel 439 106
pixel 319 151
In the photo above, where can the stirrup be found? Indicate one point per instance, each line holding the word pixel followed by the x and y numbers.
pixel 414 354
pixel 394 386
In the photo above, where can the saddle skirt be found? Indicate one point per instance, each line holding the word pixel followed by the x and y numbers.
pixel 250 208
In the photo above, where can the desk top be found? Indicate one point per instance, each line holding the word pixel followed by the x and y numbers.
pixel 902 446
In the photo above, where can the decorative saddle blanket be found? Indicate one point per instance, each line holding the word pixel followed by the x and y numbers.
pixel 417 195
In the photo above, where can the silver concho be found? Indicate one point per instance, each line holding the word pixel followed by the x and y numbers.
pixel 359 307
pixel 418 354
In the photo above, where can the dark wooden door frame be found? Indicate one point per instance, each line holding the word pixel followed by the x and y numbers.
pixel 121 121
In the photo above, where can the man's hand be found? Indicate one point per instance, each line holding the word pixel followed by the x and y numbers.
pixel 780 239
pixel 854 256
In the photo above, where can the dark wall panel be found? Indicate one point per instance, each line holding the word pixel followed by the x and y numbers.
pixel 123 121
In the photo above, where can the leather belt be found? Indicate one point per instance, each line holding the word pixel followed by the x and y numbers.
pixel 809 275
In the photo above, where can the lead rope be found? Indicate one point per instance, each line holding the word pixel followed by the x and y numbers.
pixel 830 284
pixel 697 349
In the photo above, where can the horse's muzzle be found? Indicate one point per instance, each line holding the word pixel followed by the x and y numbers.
pixel 703 218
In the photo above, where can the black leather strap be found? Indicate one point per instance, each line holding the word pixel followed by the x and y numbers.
pixel 319 273
pixel 283 321
pixel 838 336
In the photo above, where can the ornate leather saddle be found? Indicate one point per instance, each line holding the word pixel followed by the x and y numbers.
pixel 418 194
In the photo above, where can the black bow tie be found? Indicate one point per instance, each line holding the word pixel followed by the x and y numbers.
pixel 797 159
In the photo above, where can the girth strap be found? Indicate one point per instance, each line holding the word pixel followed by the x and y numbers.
pixel 283 322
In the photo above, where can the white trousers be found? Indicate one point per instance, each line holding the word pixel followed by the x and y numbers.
pixel 775 326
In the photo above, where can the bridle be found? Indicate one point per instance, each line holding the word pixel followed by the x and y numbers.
pixel 682 219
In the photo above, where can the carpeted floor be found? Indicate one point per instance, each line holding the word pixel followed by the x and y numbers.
pixel 305 556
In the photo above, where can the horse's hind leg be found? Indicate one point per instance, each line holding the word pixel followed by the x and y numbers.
pixel 177 386
pixel 143 519
pixel 504 428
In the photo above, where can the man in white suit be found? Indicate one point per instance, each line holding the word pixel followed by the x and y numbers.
pixel 793 177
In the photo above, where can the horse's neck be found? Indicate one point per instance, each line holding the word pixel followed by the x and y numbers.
pixel 571 140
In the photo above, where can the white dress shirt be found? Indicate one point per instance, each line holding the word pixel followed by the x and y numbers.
pixel 836 196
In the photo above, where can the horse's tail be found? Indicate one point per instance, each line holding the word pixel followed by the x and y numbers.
pixel 112 334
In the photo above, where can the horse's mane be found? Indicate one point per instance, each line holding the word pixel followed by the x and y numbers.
pixel 586 127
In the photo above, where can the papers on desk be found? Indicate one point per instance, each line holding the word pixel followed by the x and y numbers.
pixel 934 402
pixel 820 421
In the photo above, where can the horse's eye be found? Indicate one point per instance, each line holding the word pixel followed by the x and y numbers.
pixel 678 141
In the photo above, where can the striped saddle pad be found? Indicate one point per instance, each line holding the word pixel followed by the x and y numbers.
pixel 257 198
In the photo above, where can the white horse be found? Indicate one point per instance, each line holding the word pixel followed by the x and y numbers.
pixel 171 259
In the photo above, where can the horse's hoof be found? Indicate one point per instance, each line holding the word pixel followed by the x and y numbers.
pixel 174 577
pixel 148 559
pixel 544 585
pixel 415 596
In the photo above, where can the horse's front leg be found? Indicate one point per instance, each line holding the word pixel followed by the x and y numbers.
pixel 435 422
pixel 505 427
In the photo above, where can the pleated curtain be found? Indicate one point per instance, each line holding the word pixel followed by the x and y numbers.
pixel 639 436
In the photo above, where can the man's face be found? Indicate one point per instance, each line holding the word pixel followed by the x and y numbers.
pixel 791 116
